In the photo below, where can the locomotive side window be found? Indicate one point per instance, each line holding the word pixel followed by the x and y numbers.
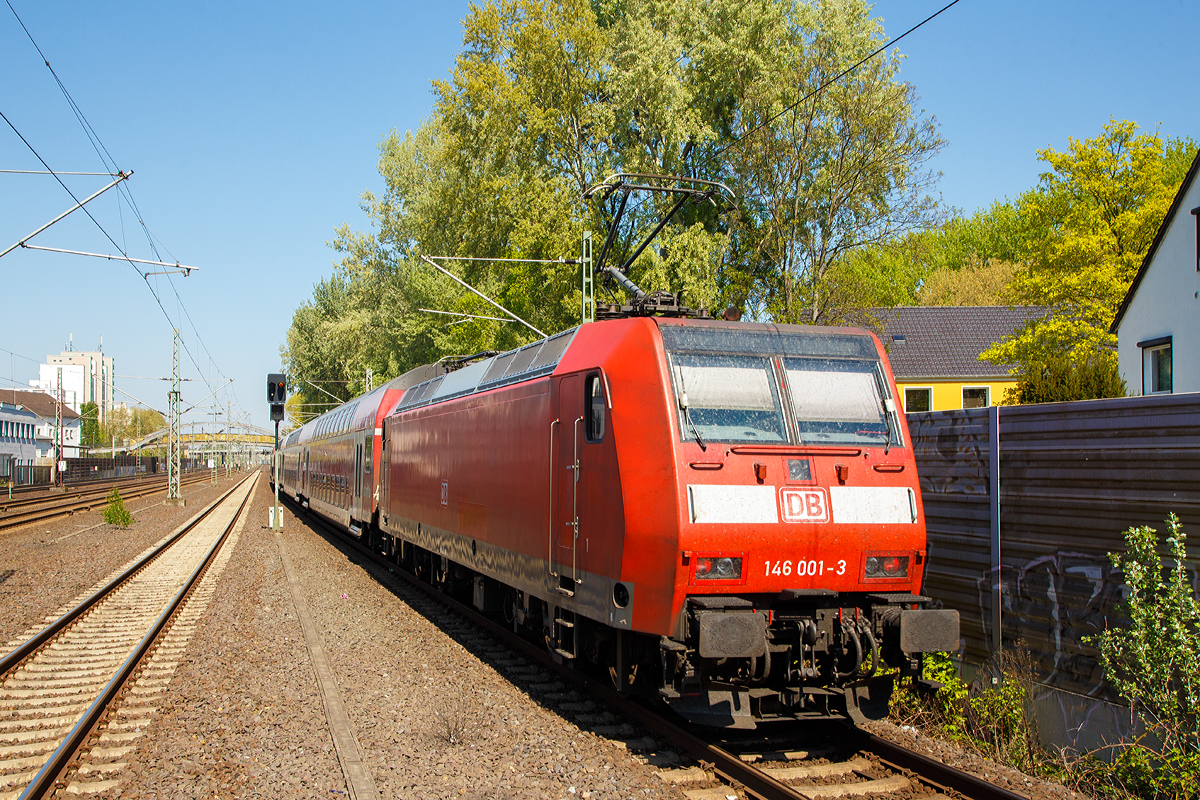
pixel 727 398
pixel 595 408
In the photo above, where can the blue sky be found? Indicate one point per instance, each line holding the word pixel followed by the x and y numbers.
pixel 252 130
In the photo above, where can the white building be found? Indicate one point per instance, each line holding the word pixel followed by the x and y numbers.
pixel 42 408
pixel 86 378
pixel 1158 323
pixel 18 432
pixel 73 381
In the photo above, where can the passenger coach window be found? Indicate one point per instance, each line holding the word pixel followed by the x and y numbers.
pixel 596 406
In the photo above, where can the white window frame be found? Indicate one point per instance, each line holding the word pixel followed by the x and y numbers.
pixel 962 396
pixel 1149 348
pixel 1151 353
pixel 906 389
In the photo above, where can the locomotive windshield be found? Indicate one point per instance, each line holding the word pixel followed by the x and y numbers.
pixel 730 398
pixel 836 400
pixel 765 384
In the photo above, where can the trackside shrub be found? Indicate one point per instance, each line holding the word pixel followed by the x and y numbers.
pixel 1154 664
pixel 993 719
pixel 115 513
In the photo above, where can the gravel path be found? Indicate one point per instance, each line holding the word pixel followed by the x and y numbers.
pixel 44 566
pixel 411 688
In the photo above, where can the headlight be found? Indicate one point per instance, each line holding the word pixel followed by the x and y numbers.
pixel 886 567
pixel 718 568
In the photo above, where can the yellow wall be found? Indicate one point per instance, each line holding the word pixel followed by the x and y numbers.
pixel 947 395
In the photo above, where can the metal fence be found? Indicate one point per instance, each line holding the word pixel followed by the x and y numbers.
pixel 29 475
pixel 86 469
pixel 1020 532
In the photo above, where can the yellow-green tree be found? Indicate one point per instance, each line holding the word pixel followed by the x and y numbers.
pixel 1087 227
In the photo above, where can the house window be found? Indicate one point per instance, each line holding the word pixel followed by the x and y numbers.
pixel 976 397
pixel 1196 214
pixel 1160 369
pixel 918 399
pixel 1156 365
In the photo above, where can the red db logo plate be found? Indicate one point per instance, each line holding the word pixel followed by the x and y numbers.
pixel 804 505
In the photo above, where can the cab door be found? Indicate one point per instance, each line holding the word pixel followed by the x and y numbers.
pixel 579 471
pixel 564 535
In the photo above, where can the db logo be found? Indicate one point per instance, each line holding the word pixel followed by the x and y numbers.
pixel 445 493
pixel 804 505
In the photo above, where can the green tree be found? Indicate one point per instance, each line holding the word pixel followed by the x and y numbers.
pixel 89 424
pixel 1087 227
pixel 545 100
pixel 1064 379
pixel 972 285
pixel 124 423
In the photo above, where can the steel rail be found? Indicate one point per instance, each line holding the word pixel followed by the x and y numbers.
pixel 66 486
pixel 758 783
pixel 44 782
pixel 41 637
pixel 79 504
pixel 96 487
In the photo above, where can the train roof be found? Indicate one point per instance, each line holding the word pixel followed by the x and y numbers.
pixel 522 364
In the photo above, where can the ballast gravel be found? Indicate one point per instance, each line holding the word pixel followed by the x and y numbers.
pixel 45 565
pixel 244 718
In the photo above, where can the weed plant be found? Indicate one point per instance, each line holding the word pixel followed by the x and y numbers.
pixel 115 513
pixel 1152 662
pixel 992 718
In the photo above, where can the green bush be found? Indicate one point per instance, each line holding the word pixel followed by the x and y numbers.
pixel 115 512
pixel 993 719
pixel 1062 379
pixel 1154 664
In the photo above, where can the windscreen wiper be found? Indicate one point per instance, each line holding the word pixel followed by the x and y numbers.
pixel 887 411
pixel 687 413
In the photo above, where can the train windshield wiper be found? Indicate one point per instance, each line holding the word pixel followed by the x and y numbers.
pixel 687 414
pixel 885 401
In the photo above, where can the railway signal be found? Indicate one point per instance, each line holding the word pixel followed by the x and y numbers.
pixel 276 396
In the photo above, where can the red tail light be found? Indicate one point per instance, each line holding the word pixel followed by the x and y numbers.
pixel 879 567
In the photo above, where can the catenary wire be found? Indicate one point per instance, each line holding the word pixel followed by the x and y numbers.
pixel 123 191
pixel 832 80
pixel 153 292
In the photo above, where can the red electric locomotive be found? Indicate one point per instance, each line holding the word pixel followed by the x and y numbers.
pixel 723 514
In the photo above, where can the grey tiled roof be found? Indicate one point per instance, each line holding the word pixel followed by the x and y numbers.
pixel 945 341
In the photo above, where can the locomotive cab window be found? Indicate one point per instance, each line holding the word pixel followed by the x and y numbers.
pixel 727 398
pixel 838 400
pixel 594 392
pixel 776 385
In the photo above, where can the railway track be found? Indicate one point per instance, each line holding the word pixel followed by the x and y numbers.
pixel 797 762
pixel 23 491
pixel 24 511
pixel 59 684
